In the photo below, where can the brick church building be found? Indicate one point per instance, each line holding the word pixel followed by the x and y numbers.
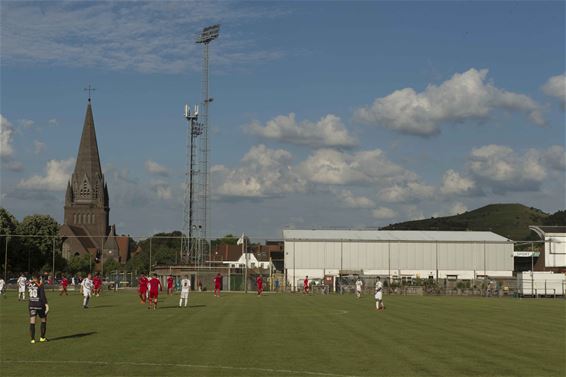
pixel 86 228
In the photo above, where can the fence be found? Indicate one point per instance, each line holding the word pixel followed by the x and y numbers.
pixel 486 287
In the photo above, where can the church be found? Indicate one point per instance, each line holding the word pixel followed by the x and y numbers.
pixel 86 229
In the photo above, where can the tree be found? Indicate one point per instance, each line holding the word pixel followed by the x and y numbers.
pixel 80 264
pixel 557 219
pixel 38 233
pixel 165 249
pixel 228 239
pixel 8 225
pixel 111 265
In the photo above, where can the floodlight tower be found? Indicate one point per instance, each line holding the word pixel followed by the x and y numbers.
pixel 194 130
pixel 207 35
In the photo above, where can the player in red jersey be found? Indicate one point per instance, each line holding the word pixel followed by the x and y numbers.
pixel 259 282
pixel 154 288
pixel 97 281
pixel 306 285
pixel 142 288
pixel 169 285
pixel 64 284
pixel 217 284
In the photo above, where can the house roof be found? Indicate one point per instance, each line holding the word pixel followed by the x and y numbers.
pixel 391 235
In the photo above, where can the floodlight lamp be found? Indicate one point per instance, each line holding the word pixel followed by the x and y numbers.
pixel 209 34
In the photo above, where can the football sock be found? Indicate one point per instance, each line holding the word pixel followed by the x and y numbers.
pixel 32 330
pixel 377 304
pixel 43 329
pixel 180 301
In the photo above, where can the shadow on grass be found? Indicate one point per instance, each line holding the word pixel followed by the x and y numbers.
pixel 177 307
pixel 72 336
pixel 101 306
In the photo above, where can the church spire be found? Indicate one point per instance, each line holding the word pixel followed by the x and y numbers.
pixel 88 159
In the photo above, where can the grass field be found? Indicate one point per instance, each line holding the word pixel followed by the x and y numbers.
pixel 287 335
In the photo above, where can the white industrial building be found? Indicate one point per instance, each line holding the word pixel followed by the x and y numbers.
pixel 554 245
pixel 399 253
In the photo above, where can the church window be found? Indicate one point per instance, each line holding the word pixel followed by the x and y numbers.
pixel 85 190
pixel 74 218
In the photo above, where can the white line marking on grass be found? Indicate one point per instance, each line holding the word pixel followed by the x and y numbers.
pixel 264 370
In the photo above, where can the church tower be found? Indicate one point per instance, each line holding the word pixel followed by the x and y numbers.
pixel 86 199
pixel 86 229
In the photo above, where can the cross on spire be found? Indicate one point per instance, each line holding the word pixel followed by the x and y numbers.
pixel 89 89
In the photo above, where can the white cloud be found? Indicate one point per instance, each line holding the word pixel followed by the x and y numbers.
pixel 556 87
pixel 26 123
pixel 458 208
pixel 352 201
pixel 38 147
pixel 53 122
pixel 329 131
pixel 328 166
pixel 407 192
pixel 383 213
pixel 163 190
pixel 7 148
pixel 455 184
pixel 555 157
pixel 6 135
pixel 502 169
pixel 263 172
pixel 466 96
pixel 153 167
pixel 152 36
pixel 57 174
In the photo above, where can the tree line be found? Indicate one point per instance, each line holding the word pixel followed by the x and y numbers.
pixel 32 242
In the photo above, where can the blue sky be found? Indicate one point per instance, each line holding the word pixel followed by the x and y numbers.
pixel 342 114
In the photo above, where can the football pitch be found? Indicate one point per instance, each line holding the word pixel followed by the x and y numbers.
pixel 287 335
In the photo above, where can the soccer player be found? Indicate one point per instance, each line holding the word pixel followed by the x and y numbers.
pixel 97 281
pixel 185 288
pixel 259 282
pixel 22 282
pixel 86 287
pixel 143 282
pixel 217 284
pixel 2 284
pixel 38 307
pixel 379 295
pixel 154 288
pixel 169 285
pixel 359 285
pixel 64 284
pixel 306 285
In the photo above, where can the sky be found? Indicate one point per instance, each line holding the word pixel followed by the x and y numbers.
pixel 325 114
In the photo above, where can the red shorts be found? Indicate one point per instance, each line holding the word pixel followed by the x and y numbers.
pixel 153 294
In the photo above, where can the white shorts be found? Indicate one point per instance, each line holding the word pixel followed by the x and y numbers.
pixel 379 296
pixel 184 294
pixel 86 293
pixel 22 290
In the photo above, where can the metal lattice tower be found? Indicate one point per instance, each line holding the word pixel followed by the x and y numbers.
pixel 194 129
pixel 200 248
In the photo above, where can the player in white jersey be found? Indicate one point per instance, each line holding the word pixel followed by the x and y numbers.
pixel 86 288
pixel 2 284
pixel 22 283
pixel 359 285
pixel 185 288
pixel 379 295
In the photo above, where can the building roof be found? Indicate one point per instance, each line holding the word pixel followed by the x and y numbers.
pixel 391 235
pixel 542 230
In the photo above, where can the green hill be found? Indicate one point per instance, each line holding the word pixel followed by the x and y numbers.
pixel 508 220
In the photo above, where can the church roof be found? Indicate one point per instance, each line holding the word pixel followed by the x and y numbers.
pixel 88 159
